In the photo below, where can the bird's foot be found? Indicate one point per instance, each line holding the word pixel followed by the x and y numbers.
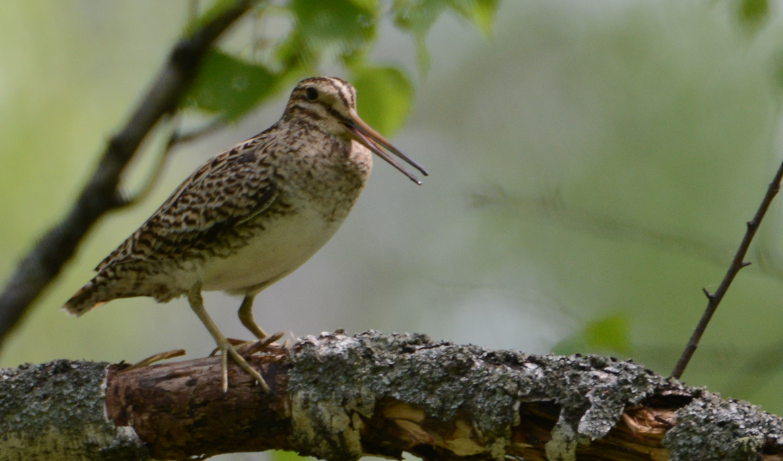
pixel 234 342
pixel 245 347
pixel 227 349
pixel 251 347
pixel 156 358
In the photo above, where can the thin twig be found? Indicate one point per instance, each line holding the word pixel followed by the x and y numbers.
pixel 101 194
pixel 736 265
pixel 157 171
pixel 181 138
pixel 175 139
pixel 552 209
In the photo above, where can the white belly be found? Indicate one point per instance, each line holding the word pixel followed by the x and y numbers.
pixel 284 245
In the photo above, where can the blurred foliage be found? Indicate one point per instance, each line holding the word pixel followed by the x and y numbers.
pixel 418 16
pixel 280 455
pixel 609 334
pixel 229 86
pixel 386 97
pixel 338 30
pixel 752 13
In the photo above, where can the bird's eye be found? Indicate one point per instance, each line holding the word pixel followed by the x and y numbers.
pixel 311 93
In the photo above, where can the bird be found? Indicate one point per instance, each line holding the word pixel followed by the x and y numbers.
pixel 252 214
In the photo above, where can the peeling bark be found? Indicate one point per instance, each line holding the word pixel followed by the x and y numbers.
pixel 341 397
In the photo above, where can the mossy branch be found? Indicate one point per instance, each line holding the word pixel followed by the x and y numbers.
pixel 341 397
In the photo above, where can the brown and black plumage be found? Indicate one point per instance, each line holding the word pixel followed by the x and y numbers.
pixel 251 215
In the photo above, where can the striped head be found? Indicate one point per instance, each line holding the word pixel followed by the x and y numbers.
pixel 330 104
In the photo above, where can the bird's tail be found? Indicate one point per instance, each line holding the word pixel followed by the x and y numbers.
pixel 114 282
pixel 90 296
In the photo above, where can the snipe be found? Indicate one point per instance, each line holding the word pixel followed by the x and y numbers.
pixel 251 215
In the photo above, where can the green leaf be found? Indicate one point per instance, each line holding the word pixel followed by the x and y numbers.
pixel 345 24
pixel 384 97
pixel 570 345
pixel 480 12
pixel 230 86
pixel 418 16
pixel 368 5
pixel 280 455
pixel 752 12
pixel 343 29
pixel 609 333
pixel 422 55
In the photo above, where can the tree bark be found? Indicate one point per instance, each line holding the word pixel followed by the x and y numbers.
pixel 340 398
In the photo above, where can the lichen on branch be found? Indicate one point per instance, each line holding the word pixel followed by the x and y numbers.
pixel 344 397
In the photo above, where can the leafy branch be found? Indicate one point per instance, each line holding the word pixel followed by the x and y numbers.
pixel 102 193
pixel 197 76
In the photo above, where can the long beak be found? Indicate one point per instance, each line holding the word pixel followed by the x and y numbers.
pixel 371 139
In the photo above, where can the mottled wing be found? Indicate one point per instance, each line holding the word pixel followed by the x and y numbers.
pixel 230 189
pixel 204 216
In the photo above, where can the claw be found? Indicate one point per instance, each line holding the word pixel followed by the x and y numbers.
pixel 233 341
pixel 224 369
pixel 228 349
pixel 251 347
pixel 156 358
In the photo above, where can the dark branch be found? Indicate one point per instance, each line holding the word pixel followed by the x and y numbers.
pixel 101 194
pixel 211 127
pixel 736 265
pixel 339 397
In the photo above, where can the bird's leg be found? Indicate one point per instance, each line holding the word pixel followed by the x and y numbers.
pixel 197 304
pixel 246 317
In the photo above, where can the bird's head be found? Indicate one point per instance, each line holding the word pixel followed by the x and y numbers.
pixel 330 103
